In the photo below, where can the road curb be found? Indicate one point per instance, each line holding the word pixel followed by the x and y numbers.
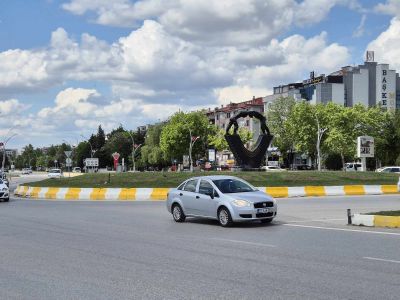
pixel 160 194
pixel 375 221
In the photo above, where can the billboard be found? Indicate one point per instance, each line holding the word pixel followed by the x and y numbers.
pixel 91 162
pixel 211 155
pixel 186 162
pixel 365 146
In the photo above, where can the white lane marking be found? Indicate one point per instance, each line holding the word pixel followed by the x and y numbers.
pixel 244 242
pixel 381 259
pixel 342 229
pixel 321 220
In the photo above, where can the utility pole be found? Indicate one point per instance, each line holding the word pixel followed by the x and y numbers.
pixel 4 151
pixel 192 140
pixel 320 134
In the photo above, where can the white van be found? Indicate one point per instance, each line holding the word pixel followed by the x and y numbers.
pixel 353 167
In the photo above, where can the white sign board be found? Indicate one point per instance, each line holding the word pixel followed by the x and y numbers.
pixel 365 146
pixel 211 155
pixel 91 162
pixel 186 161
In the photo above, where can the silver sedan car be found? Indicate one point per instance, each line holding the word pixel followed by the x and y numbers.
pixel 227 199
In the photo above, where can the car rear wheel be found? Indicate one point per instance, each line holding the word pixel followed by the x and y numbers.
pixel 266 221
pixel 224 217
pixel 177 213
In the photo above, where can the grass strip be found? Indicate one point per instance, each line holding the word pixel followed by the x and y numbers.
pixel 173 179
pixel 391 213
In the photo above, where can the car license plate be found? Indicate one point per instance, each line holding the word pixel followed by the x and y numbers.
pixel 262 210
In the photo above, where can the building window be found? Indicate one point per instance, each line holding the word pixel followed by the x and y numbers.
pixel 228 115
pixel 247 123
pixel 217 117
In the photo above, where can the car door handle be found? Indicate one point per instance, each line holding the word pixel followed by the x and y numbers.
pixel 180 194
pixel 197 197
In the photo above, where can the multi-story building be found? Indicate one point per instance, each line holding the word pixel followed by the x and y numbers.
pixel 11 152
pixel 369 84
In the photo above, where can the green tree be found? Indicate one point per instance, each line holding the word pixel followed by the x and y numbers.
pixel 277 119
pixel 343 132
pixel 175 135
pixel 151 153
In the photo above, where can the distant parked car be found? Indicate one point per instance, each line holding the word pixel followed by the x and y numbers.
pixel 76 170
pixel 227 199
pixel 26 171
pixel 389 170
pixel 55 173
pixel 272 168
pixel 4 191
pixel 353 167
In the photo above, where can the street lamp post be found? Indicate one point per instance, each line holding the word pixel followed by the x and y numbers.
pixel 4 151
pixel 193 140
pixel 135 148
pixel 91 148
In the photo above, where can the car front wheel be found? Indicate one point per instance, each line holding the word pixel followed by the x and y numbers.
pixel 224 217
pixel 6 199
pixel 178 214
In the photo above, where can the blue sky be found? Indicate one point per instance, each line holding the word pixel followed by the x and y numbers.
pixel 68 66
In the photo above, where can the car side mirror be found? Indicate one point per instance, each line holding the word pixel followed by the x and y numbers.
pixel 211 194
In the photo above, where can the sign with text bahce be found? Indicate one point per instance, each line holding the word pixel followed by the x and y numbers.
pixel 365 146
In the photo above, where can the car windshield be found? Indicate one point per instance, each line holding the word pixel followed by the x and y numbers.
pixel 228 186
pixel 55 171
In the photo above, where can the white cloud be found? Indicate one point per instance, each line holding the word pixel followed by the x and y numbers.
pixel 223 22
pixel 191 55
pixel 359 32
pixel 11 106
pixel 390 7
pixel 387 45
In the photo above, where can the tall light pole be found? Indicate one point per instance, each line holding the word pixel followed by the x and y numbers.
pixel 135 147
pixel 193 140
pixel 4 150
pixel 91 148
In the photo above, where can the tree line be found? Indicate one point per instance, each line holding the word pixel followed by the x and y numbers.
pixel 162 145
pixel 296 126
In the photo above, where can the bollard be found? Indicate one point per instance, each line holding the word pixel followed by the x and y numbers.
pixel 348 216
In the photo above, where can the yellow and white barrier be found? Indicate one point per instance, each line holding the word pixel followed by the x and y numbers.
pixel 375 221
pixel 159 194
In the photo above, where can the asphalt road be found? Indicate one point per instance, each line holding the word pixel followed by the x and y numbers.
pixel 109 250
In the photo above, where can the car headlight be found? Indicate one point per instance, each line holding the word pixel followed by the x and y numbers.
pixel 4 189
pixel 241 203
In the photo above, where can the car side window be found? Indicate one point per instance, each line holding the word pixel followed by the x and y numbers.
pixel 395 170
pixel 205 188
pixel 180 188
pixel 190 186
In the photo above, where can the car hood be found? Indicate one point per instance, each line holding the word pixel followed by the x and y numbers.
pixel 253 197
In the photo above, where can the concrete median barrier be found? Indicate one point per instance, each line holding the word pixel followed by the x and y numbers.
pixel 375 221
pixel 160 194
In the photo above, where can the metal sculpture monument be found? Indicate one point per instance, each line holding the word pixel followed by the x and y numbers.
pixel 248 159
